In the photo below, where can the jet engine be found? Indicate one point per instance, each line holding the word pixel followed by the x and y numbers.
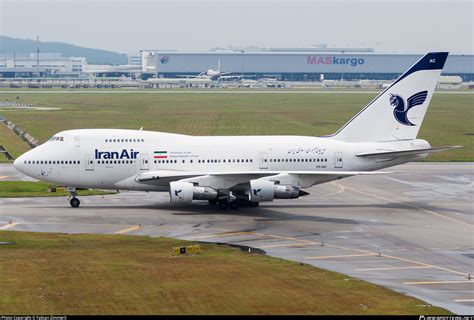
pixel 186 192
pixel 265 190
pixel 286 192
pixel 261 190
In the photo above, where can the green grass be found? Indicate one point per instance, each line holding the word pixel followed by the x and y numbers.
pixel 11 142
pixel 111 274
pixel 15 189
pixel 448 122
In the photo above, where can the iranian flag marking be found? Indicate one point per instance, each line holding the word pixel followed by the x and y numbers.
pixel 160 154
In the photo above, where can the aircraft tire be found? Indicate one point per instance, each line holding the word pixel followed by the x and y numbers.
pixel 234 205
pixel 254 204
pixel 75 202
pixel 223 205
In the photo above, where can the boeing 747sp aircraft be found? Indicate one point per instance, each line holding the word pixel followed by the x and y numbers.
pixel 243 170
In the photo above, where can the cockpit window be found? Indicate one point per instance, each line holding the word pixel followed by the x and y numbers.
pixel 56 138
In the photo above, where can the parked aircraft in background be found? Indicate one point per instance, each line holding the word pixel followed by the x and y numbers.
pixel 244 170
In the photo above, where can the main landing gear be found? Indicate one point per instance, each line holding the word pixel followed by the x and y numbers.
pixel 74 202
pixel 225 204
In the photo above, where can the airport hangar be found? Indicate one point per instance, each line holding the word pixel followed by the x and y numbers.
pixel 298 64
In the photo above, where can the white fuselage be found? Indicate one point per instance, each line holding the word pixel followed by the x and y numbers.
pixel 108 158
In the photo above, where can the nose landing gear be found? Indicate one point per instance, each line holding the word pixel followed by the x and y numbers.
pixel 74 202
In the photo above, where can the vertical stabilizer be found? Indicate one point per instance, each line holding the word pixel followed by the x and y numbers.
pixel 397 113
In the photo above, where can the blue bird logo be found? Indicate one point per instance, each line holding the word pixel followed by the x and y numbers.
pixel 400 111
pixel 164 59
pixel 256 191
pixel 177 192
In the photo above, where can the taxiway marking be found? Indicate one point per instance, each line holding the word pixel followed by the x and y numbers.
pixel 8 226
pixel 240 233
pixel 287 245
pixel 193 228
pixel 411 205
pixel 394 268
pixel 128 230
pixel 464 300
pixel 426 264
pixel 439 282
pixel 342 256
pixel 223 235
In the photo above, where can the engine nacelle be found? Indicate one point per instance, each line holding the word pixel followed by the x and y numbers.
pixel 181 192
pixel 186 192
pixel 286 192
pixel 261 190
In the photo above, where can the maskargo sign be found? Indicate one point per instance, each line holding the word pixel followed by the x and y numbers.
pixel 334 60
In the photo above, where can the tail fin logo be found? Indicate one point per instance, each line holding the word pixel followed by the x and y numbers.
pixel 400 112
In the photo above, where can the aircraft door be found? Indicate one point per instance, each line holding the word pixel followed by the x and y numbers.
pixel 338 160
pixel 89 162
pixel 143 158
pixel 263 160
pixel 77 141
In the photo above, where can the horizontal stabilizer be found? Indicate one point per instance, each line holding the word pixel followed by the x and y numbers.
pixel 404 153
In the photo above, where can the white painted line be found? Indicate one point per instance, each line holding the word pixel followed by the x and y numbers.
pixel 343 256
pixel 8 226
pixel 287 245
pixel 440 282
pixel 394 268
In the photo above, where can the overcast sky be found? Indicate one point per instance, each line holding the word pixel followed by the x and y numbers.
pixel 128 26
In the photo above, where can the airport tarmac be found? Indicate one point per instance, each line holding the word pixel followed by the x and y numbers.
pixel 411 231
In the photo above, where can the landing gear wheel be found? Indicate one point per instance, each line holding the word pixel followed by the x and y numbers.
pixel 233 205
pixel 254 204
pixel 223 204
pixel 74 202
pixel 243 203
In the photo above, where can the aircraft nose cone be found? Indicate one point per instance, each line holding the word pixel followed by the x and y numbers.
pixel 18 164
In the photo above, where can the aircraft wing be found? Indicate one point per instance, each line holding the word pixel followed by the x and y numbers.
pixel 396 154
pixel 227 180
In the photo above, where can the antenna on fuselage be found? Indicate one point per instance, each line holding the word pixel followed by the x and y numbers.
pixel 141 128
